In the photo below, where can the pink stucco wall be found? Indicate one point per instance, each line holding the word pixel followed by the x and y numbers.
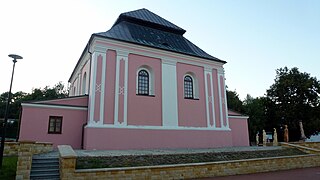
pixel 211 114
pixel 98 84
pixel 144 110
pixel 73 101
pixel 121 91
pixel 239 129
pixel 216 97
pixel 120 139
pixel 191 112
pixel 110 87
pixel 35 122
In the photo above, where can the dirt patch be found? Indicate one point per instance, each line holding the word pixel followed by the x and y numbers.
pixel 151 160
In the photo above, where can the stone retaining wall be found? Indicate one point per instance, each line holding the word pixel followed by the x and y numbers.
pixel 12 148
pixel 184 171
pixel 25 151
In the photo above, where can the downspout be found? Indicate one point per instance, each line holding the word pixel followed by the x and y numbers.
pixel 82 135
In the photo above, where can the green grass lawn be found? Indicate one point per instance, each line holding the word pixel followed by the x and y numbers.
pixel 9 167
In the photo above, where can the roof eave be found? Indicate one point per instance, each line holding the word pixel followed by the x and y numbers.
pixel 82 55
pixel 211 59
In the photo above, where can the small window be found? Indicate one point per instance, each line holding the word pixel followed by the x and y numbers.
pixel 188 87
pixel 55 125
pixel 143 82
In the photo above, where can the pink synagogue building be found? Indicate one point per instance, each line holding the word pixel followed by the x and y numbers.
pixel 140 85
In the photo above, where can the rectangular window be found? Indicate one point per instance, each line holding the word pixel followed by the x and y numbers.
pixel 55 125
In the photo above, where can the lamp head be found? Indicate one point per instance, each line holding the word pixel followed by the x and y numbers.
pixel 15 57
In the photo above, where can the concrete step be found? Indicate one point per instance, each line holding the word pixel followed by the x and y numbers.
pixel 45 171
pixel 45 176
pixel 45 168
pixel 45 160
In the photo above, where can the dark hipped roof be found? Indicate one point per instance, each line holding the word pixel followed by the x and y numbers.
pixel 146 28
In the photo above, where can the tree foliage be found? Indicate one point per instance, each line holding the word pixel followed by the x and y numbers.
pixel 255 108
pixel 234 102
pixel 37 94
pixel 294 97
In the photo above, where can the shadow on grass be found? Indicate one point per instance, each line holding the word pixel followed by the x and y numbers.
pixel 9 167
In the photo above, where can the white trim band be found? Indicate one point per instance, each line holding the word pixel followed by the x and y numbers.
pixel 56 106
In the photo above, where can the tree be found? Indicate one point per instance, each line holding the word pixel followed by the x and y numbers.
pixel 38 94
pixel 294 97
pixel 234 102
pixel 255 108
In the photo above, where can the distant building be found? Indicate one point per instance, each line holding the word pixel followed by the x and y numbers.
pixel 140 85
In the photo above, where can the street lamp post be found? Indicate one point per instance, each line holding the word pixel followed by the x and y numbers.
pixel 4 126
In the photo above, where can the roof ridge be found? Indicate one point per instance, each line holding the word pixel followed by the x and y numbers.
pixel 147 18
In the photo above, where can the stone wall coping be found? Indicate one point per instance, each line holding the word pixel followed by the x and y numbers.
pixel 11 142
pixel 305 143
pixel 299 146
pixel 66 151
pixel 188 164
pixel 46 143
pixel 27 142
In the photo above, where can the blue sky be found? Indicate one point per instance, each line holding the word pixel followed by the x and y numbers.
pixel 254 37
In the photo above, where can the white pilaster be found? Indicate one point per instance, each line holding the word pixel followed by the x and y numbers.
pixel 206 71
pixel 222 117
pixel 169 93
pixel 92 92
pixel 225 100
pixel 121 55
pixel 212 101
pixel 97 51
pixel 209 99
pixel 103 81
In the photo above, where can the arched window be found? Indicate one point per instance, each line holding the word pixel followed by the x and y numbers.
pixel 188 87
pixel 84 83
pixel 143 82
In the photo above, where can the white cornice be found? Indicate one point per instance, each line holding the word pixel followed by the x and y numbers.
pixel 158 127
pixel 122 53
pixel 54 106
pixel 238 117
pixel 169 61
pixel 99 48
pixel 136 49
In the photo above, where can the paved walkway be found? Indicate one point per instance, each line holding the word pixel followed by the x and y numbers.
pixel 294 174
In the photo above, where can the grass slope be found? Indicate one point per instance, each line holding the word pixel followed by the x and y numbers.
pixel 151 160
pixel 9 167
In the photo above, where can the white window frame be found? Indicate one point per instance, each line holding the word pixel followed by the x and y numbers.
pixel 195 85
pixel 151 79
